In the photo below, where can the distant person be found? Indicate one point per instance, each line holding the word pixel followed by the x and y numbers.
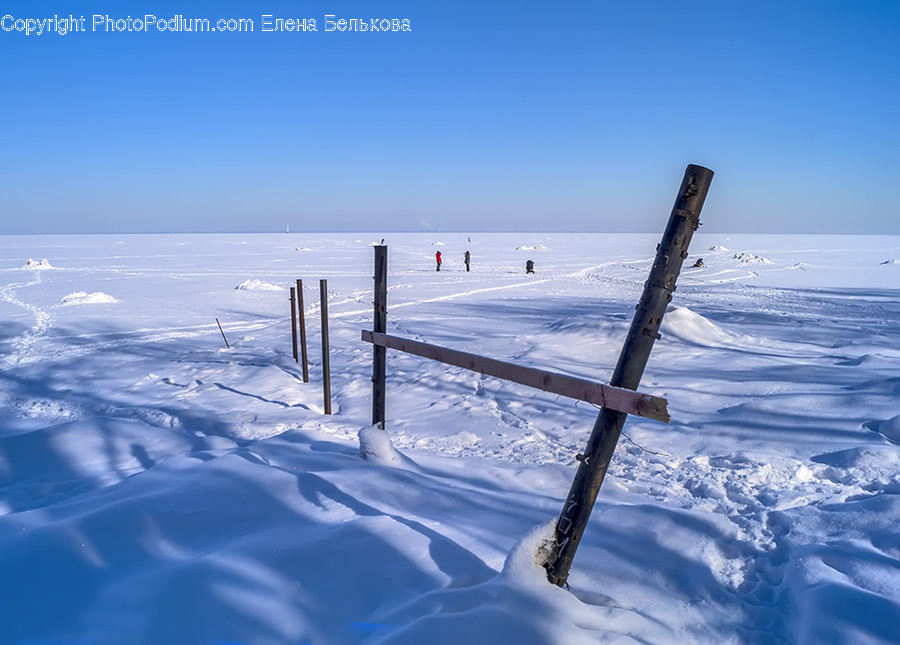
pixel 529 266
pixel 467 258
pixel 437 257
pixel 698 263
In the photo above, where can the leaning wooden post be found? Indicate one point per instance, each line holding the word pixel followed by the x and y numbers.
pixel 302 319
pixel 670 254
pixel 326 364
pixel 293 324
pixel 380 326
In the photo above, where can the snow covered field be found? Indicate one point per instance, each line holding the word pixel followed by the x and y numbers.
pixel 156 487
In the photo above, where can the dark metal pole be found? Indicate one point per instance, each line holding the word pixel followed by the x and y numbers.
pixel 326 364
pixel 302 319
pixel 293 324
pixel 379 368
pixel 670 254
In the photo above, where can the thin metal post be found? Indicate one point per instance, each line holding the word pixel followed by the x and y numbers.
pixel 670 254
pixel 326 364
pixel 293 324
pixel 379 369
pixel 223 334
pixel 301 317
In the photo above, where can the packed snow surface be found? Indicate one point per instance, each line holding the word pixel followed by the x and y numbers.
pixel 158 487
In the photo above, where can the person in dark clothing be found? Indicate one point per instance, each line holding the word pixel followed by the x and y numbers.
pixel 698 263
pixel 529 266
pixel 437 257
pixel 467 258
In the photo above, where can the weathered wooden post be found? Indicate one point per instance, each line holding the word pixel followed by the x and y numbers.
pixel 379 368
pixel 670 254
pixel 293 324
pixel 326 363
pixel 302 319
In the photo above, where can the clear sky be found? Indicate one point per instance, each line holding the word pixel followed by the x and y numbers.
pixel 518 115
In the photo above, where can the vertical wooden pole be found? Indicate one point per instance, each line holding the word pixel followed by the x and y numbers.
pixel 670 254
pixel 302 319
pixel 326 364
pixel 293 324
pixel 380 325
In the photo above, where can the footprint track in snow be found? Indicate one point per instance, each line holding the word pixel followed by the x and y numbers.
pixel 23 346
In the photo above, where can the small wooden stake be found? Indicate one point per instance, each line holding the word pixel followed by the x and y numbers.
pixel 223 334
pixel 326 364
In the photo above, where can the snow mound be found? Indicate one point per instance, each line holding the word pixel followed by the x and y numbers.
pixel 717 247
pixel 376 446
pixel 871 467
pixel 690 326
pixel 517 606
pixel 85 298
pixel 258 285
pixel 749 258
pixel 525 563
pixel 528 247
pixel 890 429
pixel 34 264
pixel 466 438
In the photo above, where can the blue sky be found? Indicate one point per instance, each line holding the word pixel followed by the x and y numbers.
pixel 567 116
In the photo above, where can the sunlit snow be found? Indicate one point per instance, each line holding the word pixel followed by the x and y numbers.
pixel 158 487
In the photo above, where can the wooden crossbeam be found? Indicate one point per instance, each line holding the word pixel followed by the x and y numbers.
pixel 607 396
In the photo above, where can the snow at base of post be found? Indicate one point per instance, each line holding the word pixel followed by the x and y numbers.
pixel 375 445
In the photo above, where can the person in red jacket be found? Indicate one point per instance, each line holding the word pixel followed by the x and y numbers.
pixel 437 256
